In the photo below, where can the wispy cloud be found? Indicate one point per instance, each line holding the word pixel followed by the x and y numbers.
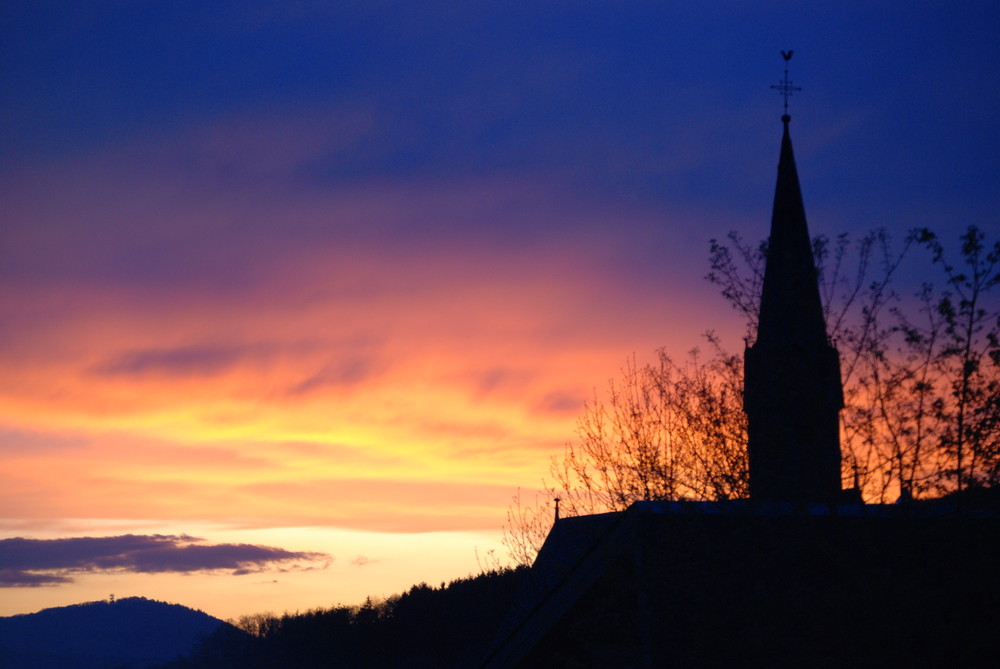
pixel 345 373
pixel 38 562
pixel 561 401
pixel 13 440
pixel 181 361
pixel 17 578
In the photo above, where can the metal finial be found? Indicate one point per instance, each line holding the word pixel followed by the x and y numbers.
pixel 785 87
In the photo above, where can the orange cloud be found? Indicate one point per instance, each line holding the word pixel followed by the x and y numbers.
pixel 259 350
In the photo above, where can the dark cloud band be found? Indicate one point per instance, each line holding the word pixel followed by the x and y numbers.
pixel 39 562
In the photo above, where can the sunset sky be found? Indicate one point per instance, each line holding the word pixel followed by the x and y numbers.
pixel 295 296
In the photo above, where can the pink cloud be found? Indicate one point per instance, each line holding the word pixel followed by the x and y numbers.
pixel 188 321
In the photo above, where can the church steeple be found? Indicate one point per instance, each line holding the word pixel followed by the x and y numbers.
pixel 793 393
pixel 790 306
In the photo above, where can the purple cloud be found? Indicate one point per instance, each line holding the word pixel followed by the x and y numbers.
pixel 38 562
pixel 561 401
pixel 16 578
pixel 181 361
pixel 13 440
pixel 346 373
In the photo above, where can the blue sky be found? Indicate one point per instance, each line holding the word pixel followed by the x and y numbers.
pixel 661 101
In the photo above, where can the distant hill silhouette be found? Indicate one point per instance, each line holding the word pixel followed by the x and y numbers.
pixel 129 633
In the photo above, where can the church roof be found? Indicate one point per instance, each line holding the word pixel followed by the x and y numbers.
pixel 637 585
pixel 576 553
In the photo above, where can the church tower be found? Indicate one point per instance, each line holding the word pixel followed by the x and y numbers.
pixel 793 393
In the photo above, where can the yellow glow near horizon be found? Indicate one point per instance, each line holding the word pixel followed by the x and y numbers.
pixel 353 387
pixel 362 564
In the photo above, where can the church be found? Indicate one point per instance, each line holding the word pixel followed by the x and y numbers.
pixel 802 573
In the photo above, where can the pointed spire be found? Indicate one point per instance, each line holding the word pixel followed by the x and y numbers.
pixel 792 392
pixel 790 308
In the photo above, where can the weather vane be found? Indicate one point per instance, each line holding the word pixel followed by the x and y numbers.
pixel 785 87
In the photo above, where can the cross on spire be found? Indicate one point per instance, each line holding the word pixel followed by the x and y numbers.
pixel 785 87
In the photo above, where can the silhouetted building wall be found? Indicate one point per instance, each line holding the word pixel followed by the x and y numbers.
pixel 731 584
pixel 793 393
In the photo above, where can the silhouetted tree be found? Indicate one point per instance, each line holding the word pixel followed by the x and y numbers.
pixel 257 625
pixel 970 359
pixel 921 372
pixel 666 431
pixel 921 378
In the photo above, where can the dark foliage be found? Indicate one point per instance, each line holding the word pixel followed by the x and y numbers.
pixel 447 626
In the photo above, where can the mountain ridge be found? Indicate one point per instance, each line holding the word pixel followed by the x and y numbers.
pixel 133 632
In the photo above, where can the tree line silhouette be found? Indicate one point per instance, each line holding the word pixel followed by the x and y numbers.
pixel 447 626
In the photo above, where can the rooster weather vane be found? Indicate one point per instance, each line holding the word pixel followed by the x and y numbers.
pixel 785 87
